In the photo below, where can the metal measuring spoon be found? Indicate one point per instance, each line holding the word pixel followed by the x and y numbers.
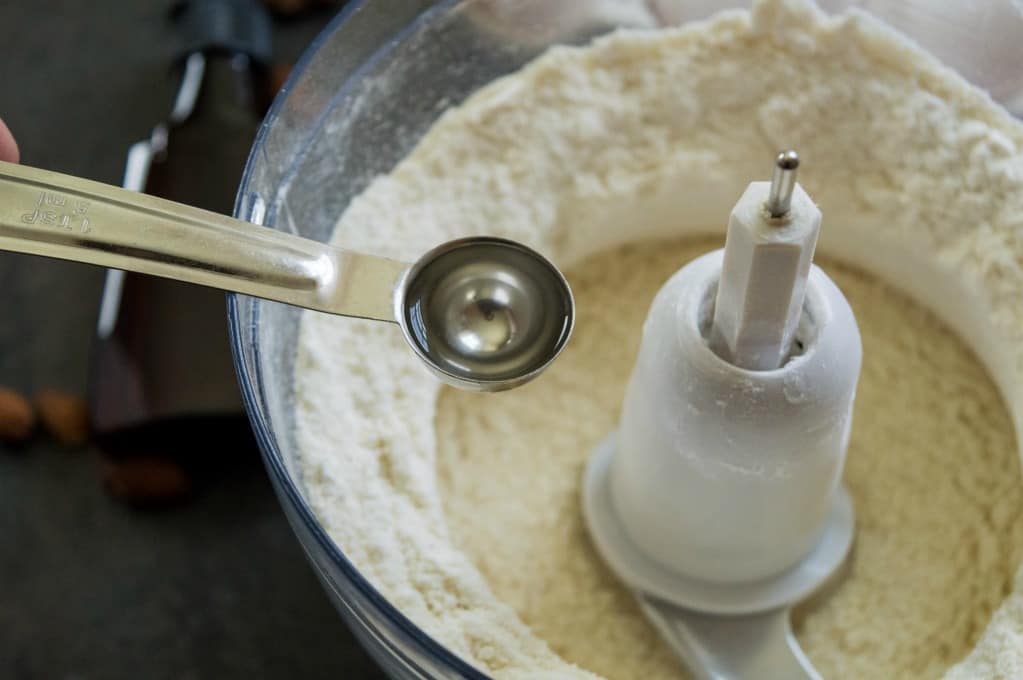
pixel 483 313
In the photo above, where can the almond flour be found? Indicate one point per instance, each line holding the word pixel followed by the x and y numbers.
pixel 470 523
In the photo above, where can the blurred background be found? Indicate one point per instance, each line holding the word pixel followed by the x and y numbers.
pixel 152 547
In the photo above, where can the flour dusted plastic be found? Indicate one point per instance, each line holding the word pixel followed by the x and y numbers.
pixel 646 135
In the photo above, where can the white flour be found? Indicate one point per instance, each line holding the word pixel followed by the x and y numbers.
pixel 655 134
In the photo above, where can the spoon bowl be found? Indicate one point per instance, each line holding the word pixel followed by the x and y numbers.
pixel 484 313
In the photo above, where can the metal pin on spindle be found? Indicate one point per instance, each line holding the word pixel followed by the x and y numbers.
pixel 783 183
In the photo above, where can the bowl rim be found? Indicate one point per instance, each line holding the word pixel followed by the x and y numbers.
pixel 251 385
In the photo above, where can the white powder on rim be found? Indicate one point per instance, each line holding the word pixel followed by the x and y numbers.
pixel 643 135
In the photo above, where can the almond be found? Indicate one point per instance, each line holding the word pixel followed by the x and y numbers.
pixel 17 419
pixel 146 481
pixel 65 416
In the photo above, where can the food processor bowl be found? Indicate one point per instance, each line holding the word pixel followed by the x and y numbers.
pixel 365 92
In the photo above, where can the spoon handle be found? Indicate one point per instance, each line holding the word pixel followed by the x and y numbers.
pixel 70 218
pixel 731 647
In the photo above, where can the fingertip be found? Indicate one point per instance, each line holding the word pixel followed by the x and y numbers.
pixel 8 147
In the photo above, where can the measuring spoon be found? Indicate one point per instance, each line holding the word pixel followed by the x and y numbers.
pixel 483 313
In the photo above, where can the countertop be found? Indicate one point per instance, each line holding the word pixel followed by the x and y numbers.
pixel 217 587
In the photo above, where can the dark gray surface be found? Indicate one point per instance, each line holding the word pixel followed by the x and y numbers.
pixel 91 589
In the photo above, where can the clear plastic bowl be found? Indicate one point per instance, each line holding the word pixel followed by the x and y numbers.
pixel 367 89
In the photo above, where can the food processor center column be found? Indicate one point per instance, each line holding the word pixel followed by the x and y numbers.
pixel 720 492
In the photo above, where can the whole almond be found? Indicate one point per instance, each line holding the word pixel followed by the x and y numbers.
pixel 146 480
pixel 17 419
pixel 65 416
